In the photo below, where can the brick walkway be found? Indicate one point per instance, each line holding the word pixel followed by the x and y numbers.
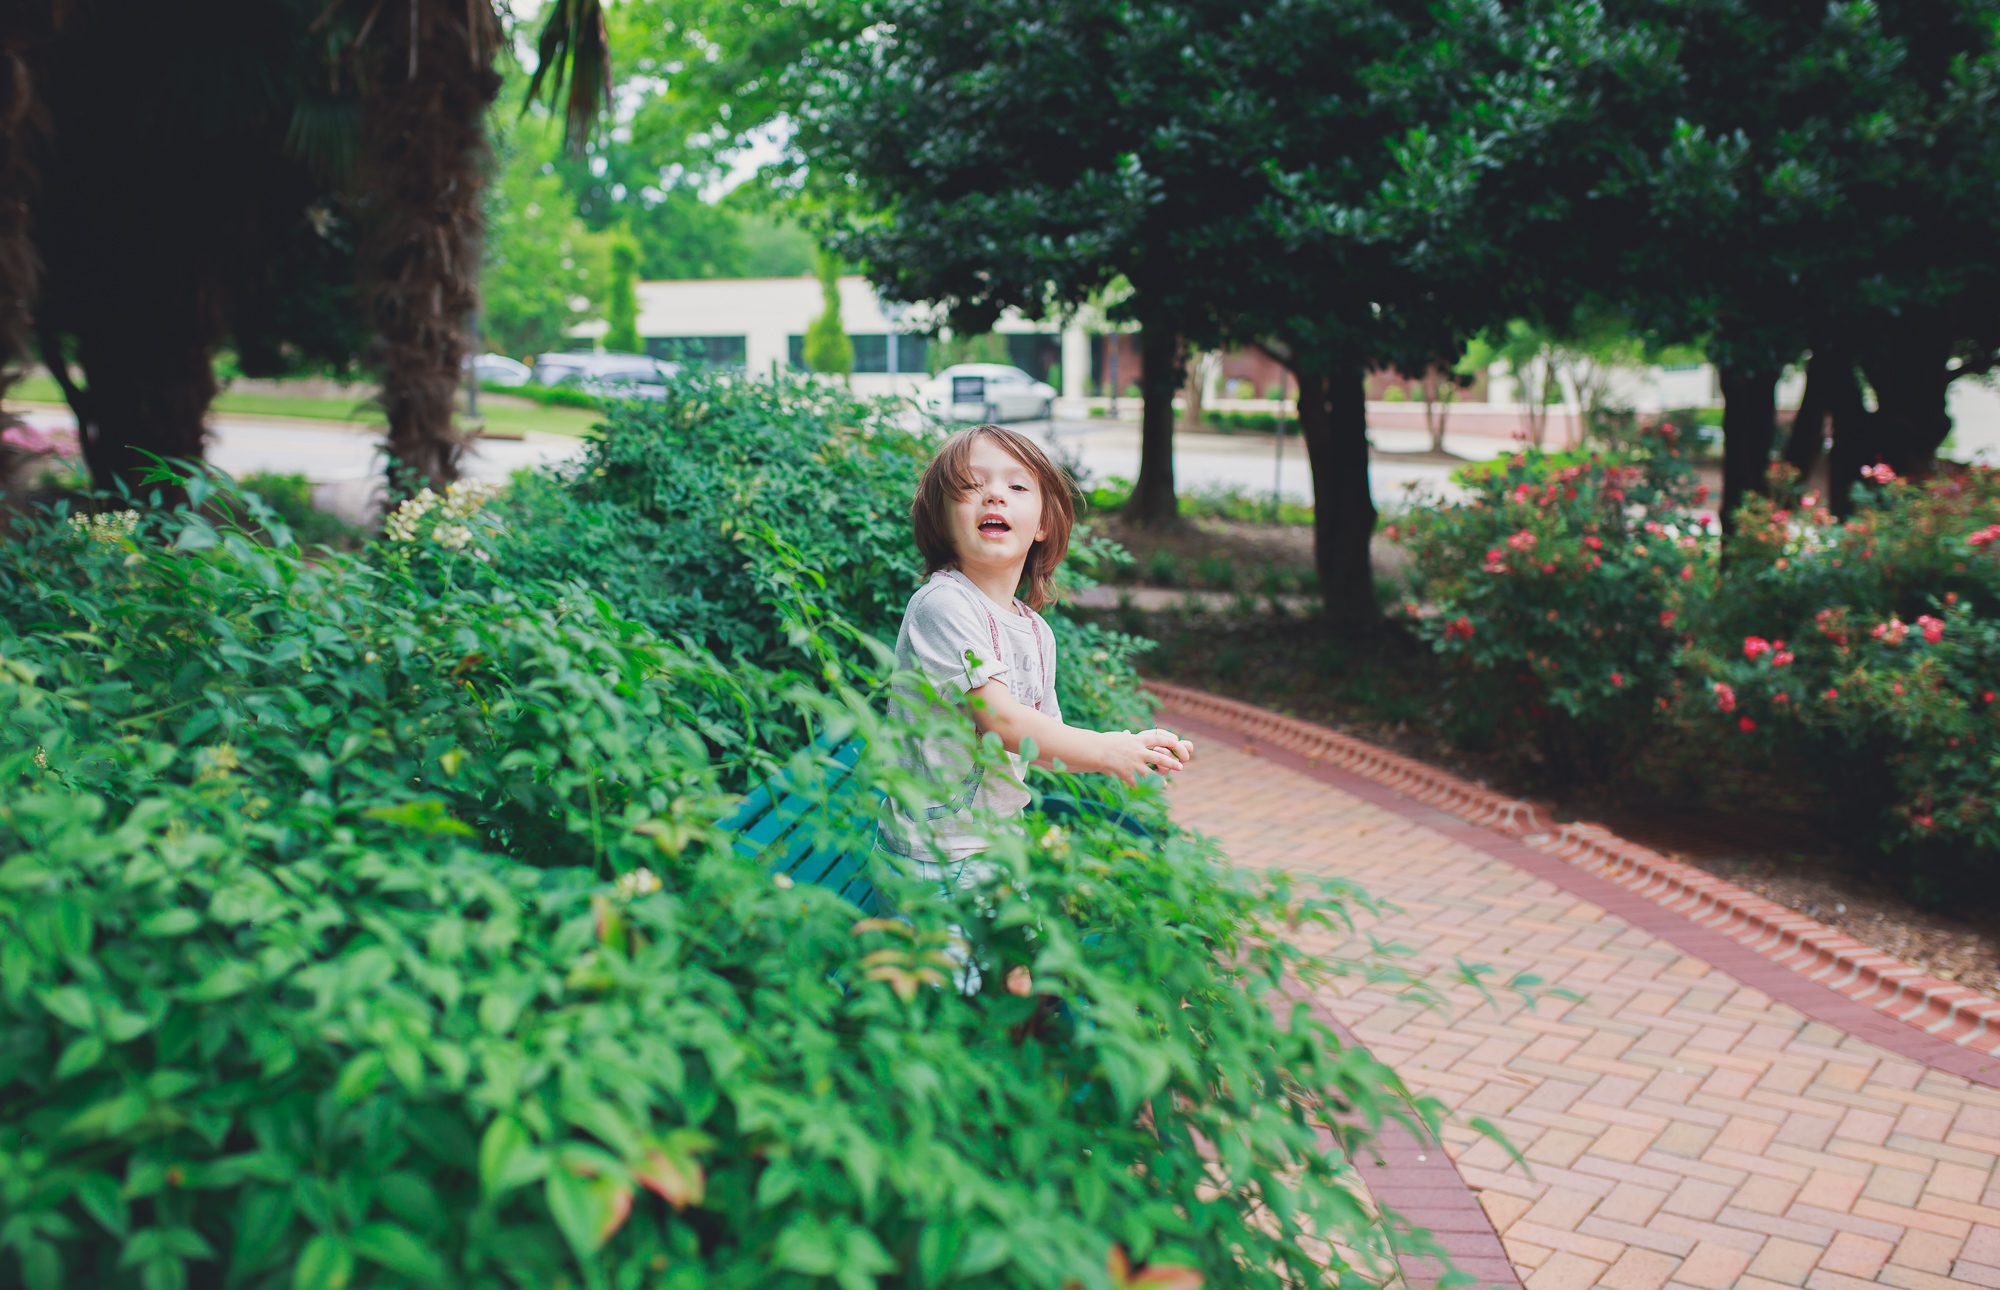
pixel 1683 1128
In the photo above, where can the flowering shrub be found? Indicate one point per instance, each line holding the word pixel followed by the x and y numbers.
pixel 1870 649
pixel 1554 593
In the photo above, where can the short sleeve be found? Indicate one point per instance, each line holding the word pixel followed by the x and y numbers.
pixel 951 638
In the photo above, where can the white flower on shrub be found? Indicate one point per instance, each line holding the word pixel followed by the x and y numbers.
pixel 114 527
pixel 454 514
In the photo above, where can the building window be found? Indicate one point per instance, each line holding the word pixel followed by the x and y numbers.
pixel 1034 352
pixel 872 353
pixel 698 351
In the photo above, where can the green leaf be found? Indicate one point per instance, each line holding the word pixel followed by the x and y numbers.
pixel 587 1210
pixel 428 815
pixel 360 1077
pixel 325 1264
pixel 70 1006
pixel 41 1265
pixel 263 1230
pixel 98 1194
pixel 80 1056
pixel 398 1250
pixel 507 1159
pixel 226 981
pixel 169 922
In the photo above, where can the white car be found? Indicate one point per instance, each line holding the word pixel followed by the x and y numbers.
pixel 498 369
pixel 615 375
pixel 987 392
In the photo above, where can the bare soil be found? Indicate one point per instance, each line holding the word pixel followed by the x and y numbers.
pixel 1757 831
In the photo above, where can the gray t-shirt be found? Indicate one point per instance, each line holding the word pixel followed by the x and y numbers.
pixel 950 633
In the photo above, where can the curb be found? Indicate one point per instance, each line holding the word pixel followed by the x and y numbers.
pixel 1844 965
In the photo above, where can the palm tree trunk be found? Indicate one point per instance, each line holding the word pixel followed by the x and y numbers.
pixel 426 157
pixel 23 24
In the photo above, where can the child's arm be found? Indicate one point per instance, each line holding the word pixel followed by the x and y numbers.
pixel 1109 752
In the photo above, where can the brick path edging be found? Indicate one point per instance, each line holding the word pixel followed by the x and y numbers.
pixel 1859 972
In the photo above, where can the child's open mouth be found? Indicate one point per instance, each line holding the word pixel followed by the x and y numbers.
pixel 994 524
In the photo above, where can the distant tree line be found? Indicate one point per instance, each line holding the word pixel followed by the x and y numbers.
pixel 1375 182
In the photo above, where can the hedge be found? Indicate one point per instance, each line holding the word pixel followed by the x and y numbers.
pixel 364 922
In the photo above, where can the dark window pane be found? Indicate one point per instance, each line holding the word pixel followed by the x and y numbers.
pixel 911 354
pixel 1034 352
pixel 698 351
pixel 871 353
pixel 795 352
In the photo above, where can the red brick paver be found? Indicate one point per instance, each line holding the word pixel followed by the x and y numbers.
pixel 1682 1128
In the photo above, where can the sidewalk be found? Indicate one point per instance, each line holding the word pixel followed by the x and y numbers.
pixel 1682 1126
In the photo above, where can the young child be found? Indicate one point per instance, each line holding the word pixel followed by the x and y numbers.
pixel 992 516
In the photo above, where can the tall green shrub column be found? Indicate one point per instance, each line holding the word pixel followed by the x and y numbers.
pixel 621 311
pixel 827 347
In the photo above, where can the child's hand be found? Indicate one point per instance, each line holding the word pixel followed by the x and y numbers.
pixel 1129 756
pixel 1167 739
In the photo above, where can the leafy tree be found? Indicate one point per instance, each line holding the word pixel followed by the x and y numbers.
pixel 827 347
pixel 541 260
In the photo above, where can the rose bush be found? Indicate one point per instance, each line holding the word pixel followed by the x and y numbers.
pixel 1583 607
pixel 1554 592
pixel 1869 649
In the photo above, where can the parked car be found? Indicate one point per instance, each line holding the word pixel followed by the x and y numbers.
pixel 614 375
pixel 498 369
pixel 986 392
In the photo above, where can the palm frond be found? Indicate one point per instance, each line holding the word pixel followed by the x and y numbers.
pixel 575 48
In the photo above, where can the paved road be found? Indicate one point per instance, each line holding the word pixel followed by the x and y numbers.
pixel 1682 1129
pixel 1251 462
pixel 345 461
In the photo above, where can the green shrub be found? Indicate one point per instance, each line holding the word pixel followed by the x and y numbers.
pixel 568 395
pixel 739 514
pixel 366 924
pixel 1252 423
pixel 1868 646
pixel 1554 591
pixel 290 499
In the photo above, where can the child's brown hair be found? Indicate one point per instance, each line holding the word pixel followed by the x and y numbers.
pixel 948 478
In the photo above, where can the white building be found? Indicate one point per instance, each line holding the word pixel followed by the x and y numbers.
pixel 759 324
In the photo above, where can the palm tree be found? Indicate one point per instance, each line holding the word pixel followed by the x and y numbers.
pixel 429 79
pixel 23 24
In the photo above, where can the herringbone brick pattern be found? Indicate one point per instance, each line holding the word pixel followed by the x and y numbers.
pixel 1680 1129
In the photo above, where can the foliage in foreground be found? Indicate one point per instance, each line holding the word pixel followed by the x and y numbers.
pixel 367 925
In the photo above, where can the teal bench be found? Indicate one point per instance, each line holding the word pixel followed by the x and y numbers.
pixel 785 827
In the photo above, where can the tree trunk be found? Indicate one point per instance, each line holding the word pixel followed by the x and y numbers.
pixel 1856 432
pixel 1333 420
pixel 1749 425
pixel 1153 503
pixel 426 156
pixel 1907 368
pixel 150 381
pixel 19 266
pixel 1807 437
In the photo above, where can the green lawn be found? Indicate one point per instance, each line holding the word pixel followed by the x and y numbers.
pixel 502 415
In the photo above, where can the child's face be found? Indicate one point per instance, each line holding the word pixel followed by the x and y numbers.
pixel 995 522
